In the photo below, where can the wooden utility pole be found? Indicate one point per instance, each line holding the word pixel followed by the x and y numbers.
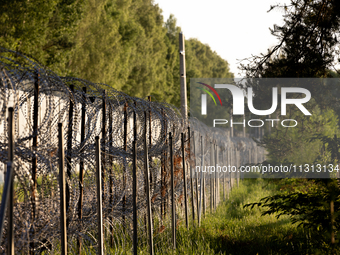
pixel 184 108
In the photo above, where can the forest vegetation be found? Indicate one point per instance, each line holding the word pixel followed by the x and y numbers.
pixel 125 44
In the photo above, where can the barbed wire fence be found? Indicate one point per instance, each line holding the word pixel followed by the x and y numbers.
pixel 41 99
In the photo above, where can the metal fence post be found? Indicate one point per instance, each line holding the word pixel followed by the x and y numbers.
pixel 183 76
pixel 223 175
pixel 211 179
pixel 173 206
pixel 216 176
pixel 69 148
pixel 191 178
pixel 163 171
pixel 34 157
pixel 81 165
pixel 150 142
pixel 203 198
pixel 11 189
pixel 185 182
pixel 147 184
pixel 111 174
pixel 237 156
pixel 125 166
pixel 62 190
pixel 134 184
pixel 134 197
pixel 103 160
pixel 99 199
pixel 7 194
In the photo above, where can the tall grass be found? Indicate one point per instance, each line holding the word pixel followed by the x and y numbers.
pixel 235 230
pixel 232 229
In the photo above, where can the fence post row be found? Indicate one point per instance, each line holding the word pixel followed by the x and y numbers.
pixel 233 157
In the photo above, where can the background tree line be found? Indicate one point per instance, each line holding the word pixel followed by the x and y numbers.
pixel 123 43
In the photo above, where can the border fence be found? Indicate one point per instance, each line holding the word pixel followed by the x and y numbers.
pixel 92 170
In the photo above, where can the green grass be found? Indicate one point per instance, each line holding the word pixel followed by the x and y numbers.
pixel 235 230
pixel 232 229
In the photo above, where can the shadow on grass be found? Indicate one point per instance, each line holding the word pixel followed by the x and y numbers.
pixel 269 238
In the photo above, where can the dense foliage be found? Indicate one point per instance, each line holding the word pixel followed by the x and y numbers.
pixel 125 44
pixel 308 48
pixel 308 41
